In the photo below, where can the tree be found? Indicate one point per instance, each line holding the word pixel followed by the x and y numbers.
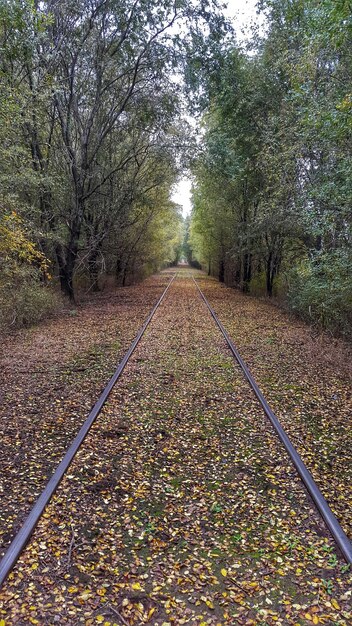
pixel 100 94
pixel 272 190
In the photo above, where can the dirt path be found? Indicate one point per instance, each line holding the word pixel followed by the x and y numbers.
pixel 182 507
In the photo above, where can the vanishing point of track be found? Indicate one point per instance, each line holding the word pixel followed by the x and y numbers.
pixel 21 539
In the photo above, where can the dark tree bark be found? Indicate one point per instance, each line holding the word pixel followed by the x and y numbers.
pixel 273 263
pixel 221 271
pixel 269 276
pixel 246 271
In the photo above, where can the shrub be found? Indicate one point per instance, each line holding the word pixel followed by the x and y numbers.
pixel 320 291
pixel 26 305
pixel 25 297
pixel 257 286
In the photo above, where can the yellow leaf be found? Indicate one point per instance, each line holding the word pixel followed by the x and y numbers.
pixel 101 592
pixel 209 604
pixel 85 595
pixel 136 586
pixel 224 572
pixel 335 604
pixel 2 622
pixel 315 619
pixel 99 619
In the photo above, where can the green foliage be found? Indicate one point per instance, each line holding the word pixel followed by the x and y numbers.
pixel 16 249
pixel 273 182
pixel 93 124
pixel 27 303
pixel 320 291
pixel 25 297
pixel 257 285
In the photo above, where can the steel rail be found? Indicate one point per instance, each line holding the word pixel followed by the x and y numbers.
pixel 22 537
pixel 333 525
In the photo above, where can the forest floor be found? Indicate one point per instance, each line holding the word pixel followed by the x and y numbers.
pixel 181 506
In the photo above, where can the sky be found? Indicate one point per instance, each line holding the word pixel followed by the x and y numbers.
pixel 242 12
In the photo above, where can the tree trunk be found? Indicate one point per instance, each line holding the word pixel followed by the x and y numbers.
pixel 247 271
pixel 272 269
pixel 67 261
pixel 125 272
pixel 222 271
pixel 118 267
pixel 269 275
pixel 238 271
pixel 64 275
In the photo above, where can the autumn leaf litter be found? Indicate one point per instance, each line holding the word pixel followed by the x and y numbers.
pixel 181 507
pixel 50 376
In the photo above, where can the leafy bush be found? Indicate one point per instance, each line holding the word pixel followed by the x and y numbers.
pixel 27 305
pixel 257 285
pixel 25 297
pixel 320 291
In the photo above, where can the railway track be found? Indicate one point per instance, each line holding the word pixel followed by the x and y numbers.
pixel 333 525
pixel 22 538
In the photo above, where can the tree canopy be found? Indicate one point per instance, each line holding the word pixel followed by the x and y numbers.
pixel 94 98
pixel 94 131
pixel 272 194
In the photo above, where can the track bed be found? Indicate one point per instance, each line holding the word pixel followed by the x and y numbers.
pixel 181 506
